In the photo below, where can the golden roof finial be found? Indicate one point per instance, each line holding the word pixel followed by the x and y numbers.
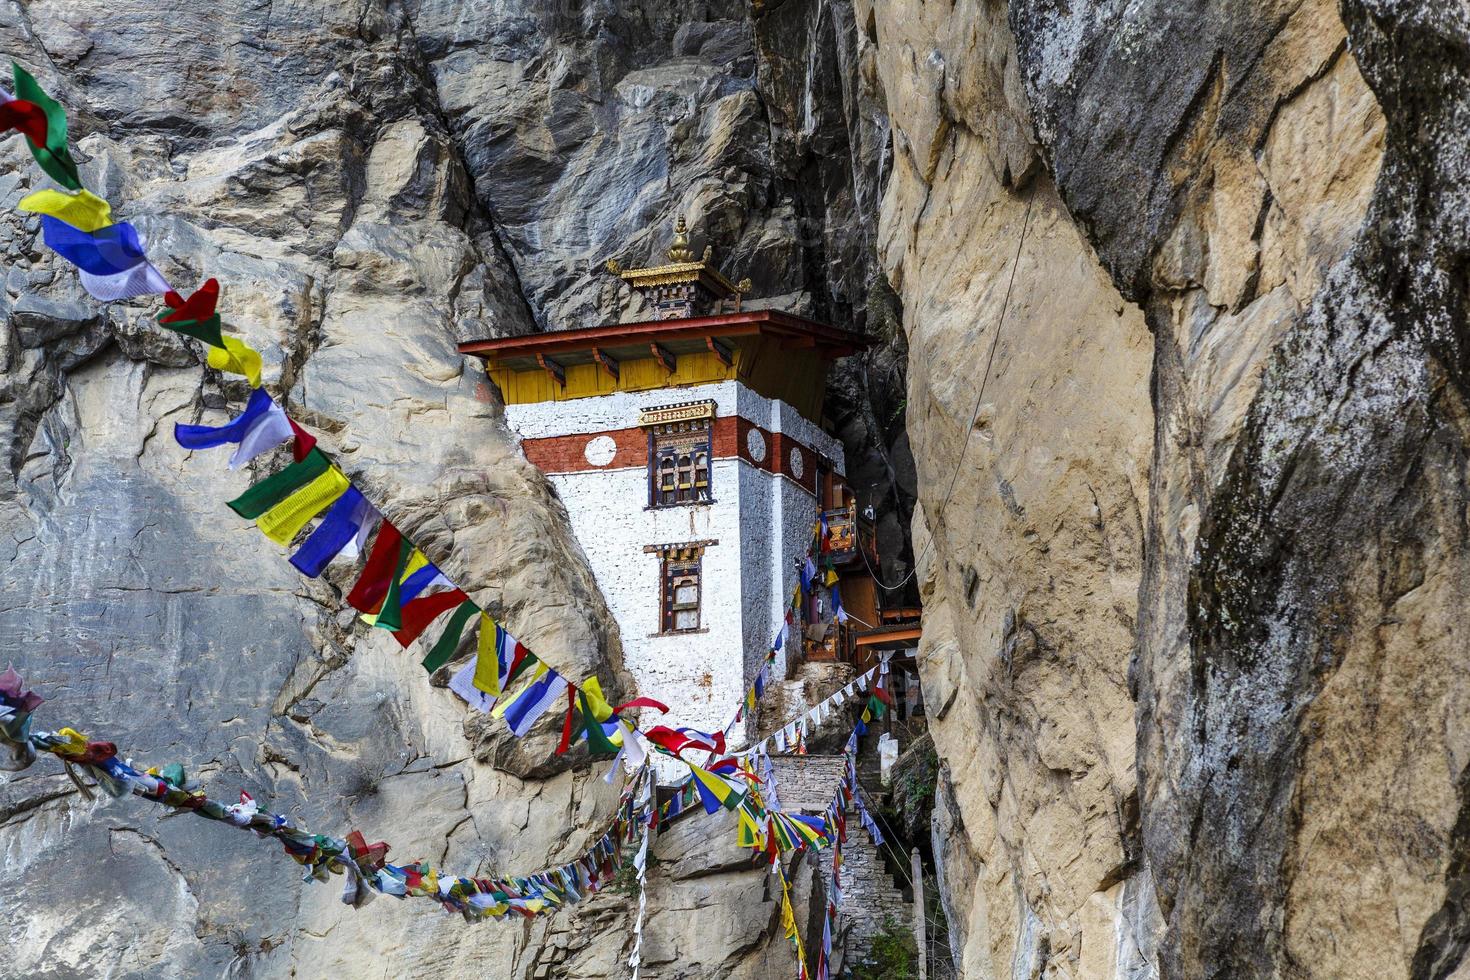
pixel 684 269
pixel 679 251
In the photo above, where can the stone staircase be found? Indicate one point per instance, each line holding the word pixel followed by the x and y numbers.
pixel 871 893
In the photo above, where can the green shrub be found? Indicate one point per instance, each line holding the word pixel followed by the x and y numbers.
pixel 894 955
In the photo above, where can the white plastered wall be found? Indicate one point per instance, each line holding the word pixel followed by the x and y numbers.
pixel 761 521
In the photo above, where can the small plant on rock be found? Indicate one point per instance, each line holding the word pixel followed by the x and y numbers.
pixel 894 956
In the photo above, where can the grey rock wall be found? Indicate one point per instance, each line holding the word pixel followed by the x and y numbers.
pixel 371 183
pixel 298 154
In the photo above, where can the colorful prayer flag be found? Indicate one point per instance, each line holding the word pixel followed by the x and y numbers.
pixel 419 576
pixel 415 616
pixel 523 709
pixel 487 667
pixel 286 519
pixel 339 528
pixel 382 563
pixel 264 495
pixel 714 792
pixel 258 429
pixel 680 740
pixel 236 357
pixel 196 317
pixel 462 683
pixel 83 210
pixel 389 615
pixel 24 117
pixel 111 262
pixel 511 656
pixel 449 641
pixel 304 441
pixel 596 713
pixel 50 150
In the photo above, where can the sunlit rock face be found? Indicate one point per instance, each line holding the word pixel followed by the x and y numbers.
pixel 1269 190
pixel 1030 422
pixel 1169 399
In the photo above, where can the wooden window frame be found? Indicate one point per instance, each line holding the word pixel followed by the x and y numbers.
pixel 684 450
pixel 678 564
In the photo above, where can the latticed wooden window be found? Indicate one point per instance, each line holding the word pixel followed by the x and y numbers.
pixel 680 589
pixel 679 463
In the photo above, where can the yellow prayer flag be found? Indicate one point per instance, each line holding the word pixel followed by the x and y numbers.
pixel 750 834
pixel 236 357
pixel 487 661
pixel 84 211
pixel 831 576
pixel 283 521
pixel 788 917
pixel 601 710
pixel 416 561
pixel 76 742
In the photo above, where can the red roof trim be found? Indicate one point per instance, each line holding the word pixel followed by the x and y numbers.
pixel 747 323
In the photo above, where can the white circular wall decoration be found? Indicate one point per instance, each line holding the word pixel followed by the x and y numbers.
pixel 600 450
pixel 755 444
pixel 798 467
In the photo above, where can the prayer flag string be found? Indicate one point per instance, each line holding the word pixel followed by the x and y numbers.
pixel 365 867
pixel 399 590
pixel 79 227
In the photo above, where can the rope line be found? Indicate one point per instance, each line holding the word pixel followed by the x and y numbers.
pixel 979 400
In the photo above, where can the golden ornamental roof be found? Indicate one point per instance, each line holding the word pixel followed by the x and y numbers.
pixel 682 267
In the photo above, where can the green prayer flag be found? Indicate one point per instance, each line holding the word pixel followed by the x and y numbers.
pixel 518 670
pixel 449 642
pixel 275 488
pixel 54 157
pixel 207 331
pixel 390 615
pixel 876 706
pixel 596 738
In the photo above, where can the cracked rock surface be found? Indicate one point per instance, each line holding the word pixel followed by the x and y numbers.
pixel 1170 397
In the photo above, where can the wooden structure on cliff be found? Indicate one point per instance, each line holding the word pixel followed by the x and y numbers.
pixel 691 453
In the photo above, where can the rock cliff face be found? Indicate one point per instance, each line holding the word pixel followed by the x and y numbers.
pixel 371 183
pixel 1266 188
pixel 1171 397
pixel 303 160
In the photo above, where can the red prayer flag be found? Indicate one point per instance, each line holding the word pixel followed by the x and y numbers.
pixel 305 441
pixel 372 855
pixel 24 117
pixel 420 612
pixel 95 754
pixel 199 306
pixel 686 738
pixel 642 703
pixel 566 725
pixel 372 584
